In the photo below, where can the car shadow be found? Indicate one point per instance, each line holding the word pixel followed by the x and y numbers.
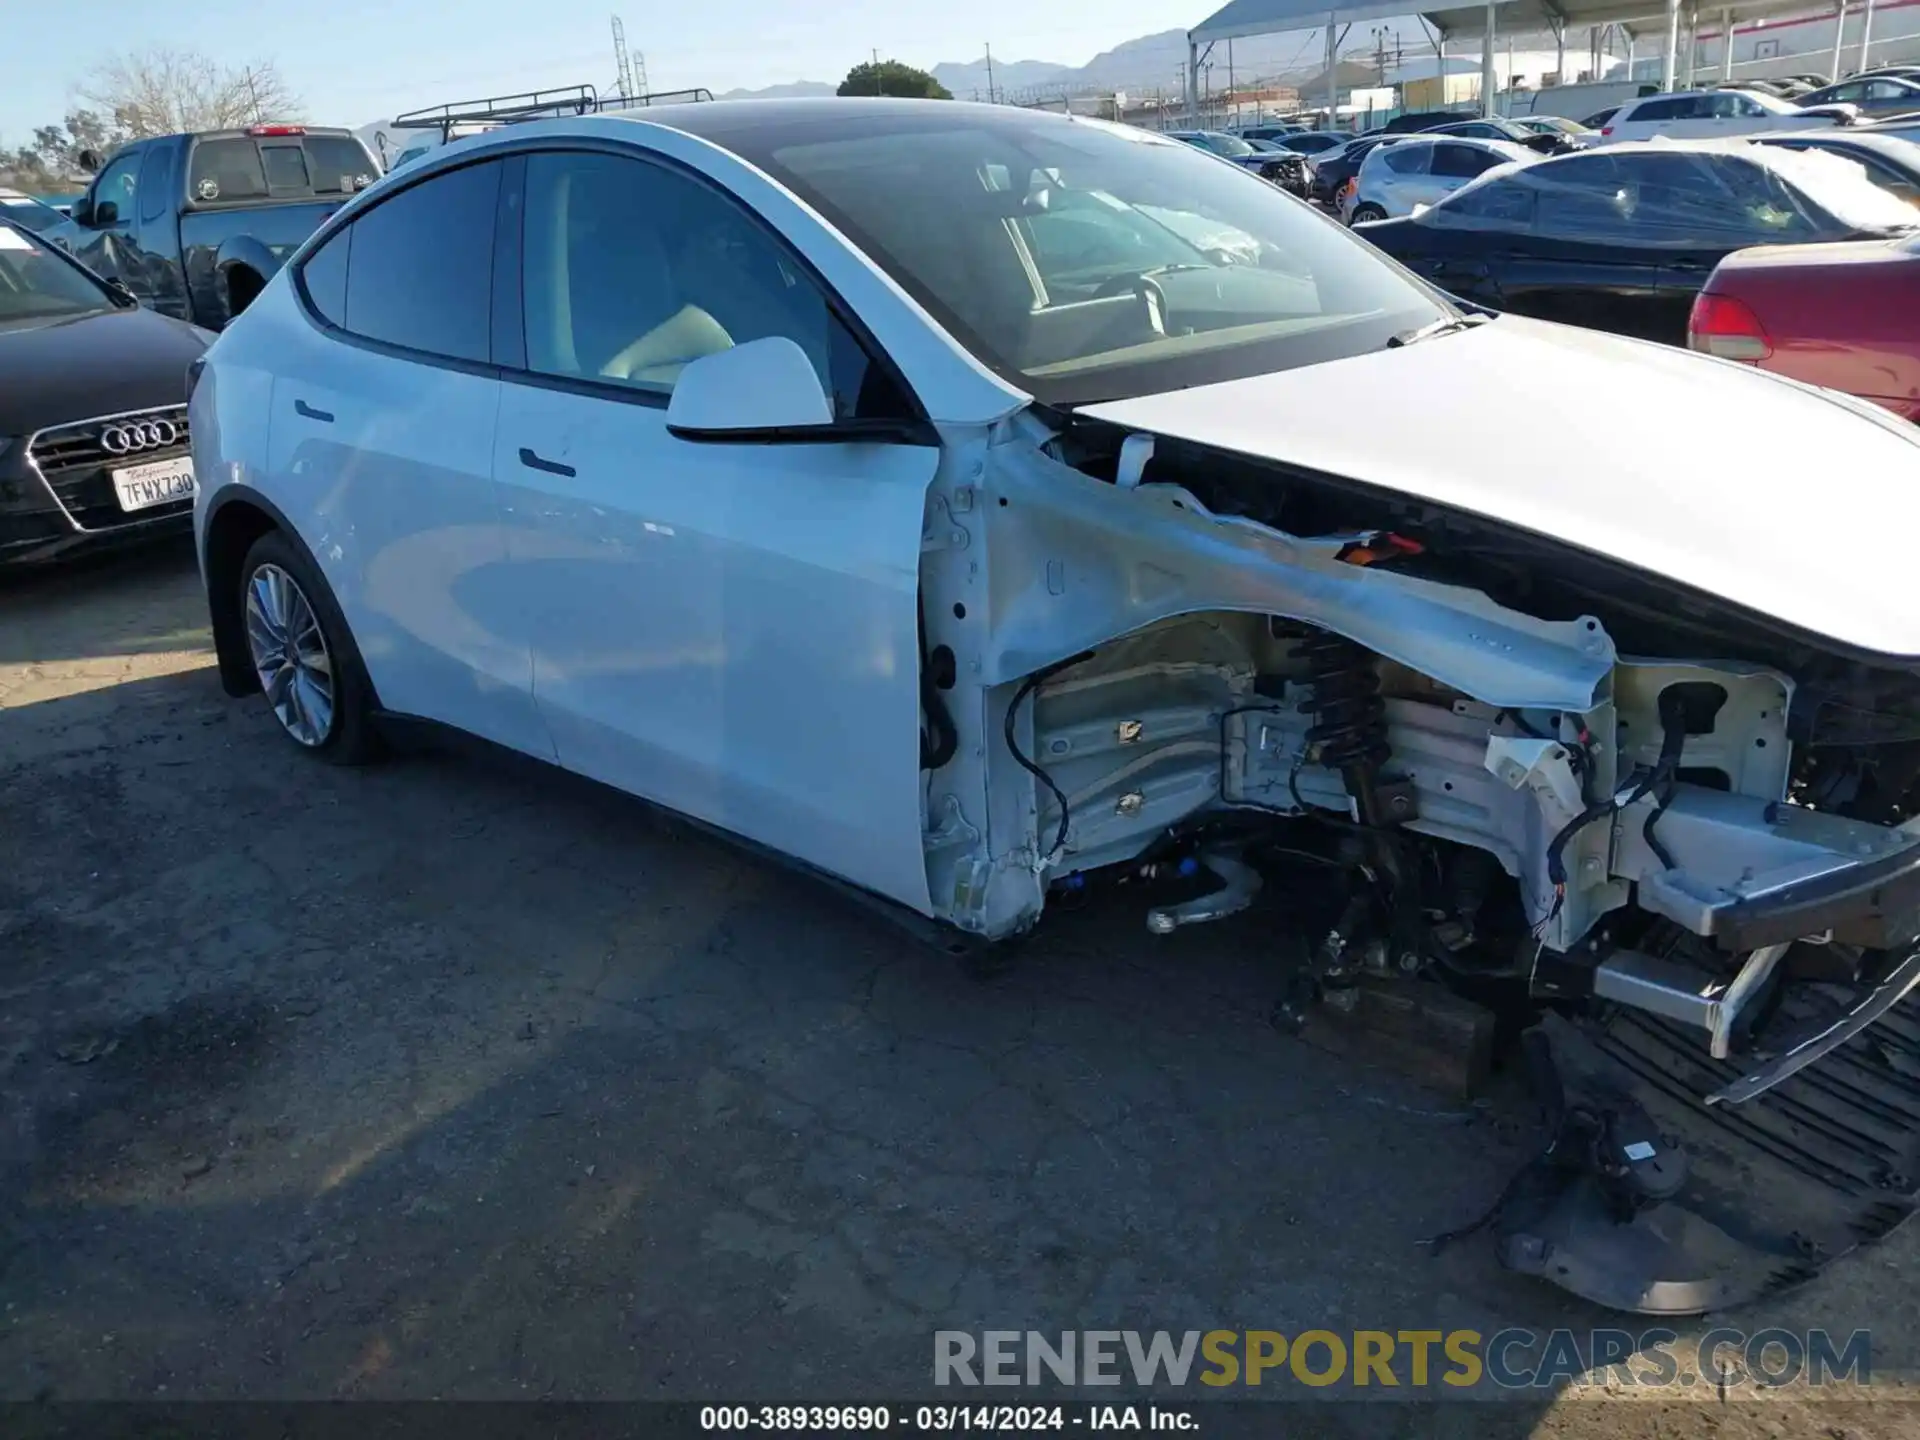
pixel 440 1079
pixel 78 609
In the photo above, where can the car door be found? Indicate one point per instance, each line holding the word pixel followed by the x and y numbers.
pixel 381 441
pixel 155 242
pixel 1471 241
pixel 111 208
pixel 1392 178
pixel 1580 261
pixel 1698 208
pixel 727 628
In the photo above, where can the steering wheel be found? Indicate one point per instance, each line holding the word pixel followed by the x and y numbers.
pixel 1151 296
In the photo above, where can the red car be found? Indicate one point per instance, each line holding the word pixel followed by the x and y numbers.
pixel 1846 316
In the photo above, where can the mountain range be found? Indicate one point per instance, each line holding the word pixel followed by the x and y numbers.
pixel 1144 65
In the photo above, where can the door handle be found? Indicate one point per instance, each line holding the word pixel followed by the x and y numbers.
pixel 552 467
pixel 301 407
pixel 1686 265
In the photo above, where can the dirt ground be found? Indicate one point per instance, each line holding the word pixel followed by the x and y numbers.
pixel 438 1079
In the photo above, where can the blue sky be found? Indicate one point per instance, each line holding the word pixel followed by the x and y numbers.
pixel 358 60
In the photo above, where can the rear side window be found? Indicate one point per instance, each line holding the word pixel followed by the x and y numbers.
pixel 1462 161
pixel 422 266
pixel 153 182
pixel 1504 204
pixel 1667 108
pixel 324 277
pixel 1407 159
pixel 1712 200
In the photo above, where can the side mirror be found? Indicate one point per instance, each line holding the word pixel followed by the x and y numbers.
pixel 105 213
pixel 88 160
pixel 762 390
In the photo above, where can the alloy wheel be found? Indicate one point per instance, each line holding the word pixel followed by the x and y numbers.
pixel 290 655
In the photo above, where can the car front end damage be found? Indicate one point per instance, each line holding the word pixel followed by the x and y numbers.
pixel 1673 838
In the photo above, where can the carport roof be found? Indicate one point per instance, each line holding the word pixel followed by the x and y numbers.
pixel 1521 16
pixel 1266 17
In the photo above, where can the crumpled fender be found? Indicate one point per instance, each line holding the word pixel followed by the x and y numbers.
pixel 1075 562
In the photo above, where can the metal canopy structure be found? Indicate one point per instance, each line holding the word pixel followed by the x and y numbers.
pixel 1483 22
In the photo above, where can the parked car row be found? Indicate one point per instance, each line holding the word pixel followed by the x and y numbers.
pixel 103 309
pixel 1630 238
pixel 1287 168
pixel 94 445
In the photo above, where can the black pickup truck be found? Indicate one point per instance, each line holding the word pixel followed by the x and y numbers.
pixel 195 225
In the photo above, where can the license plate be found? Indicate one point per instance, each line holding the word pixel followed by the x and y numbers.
pixel 141 487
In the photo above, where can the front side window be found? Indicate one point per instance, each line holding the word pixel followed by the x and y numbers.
pixel 632 271
pixel 1580 198
pixel 116 187
pixel 1407 159
pixel 945 201
pixel 421 272
pixel 1502 203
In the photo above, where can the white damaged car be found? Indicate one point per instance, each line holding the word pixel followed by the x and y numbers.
pixel 893 486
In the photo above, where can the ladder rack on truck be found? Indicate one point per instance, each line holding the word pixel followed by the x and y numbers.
pixel 536 105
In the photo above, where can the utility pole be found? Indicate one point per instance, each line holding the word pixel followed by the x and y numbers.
pixel 990 98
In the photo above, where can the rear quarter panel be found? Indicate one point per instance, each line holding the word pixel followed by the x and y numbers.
pixel 231 409
pixel 1847 326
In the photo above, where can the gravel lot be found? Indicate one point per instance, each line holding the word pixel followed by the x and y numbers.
pixel 443 1079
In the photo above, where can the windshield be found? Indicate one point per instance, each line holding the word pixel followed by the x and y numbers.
pixel 26 211
pixel 1088 261
pixel 37 284
pixel 1841 187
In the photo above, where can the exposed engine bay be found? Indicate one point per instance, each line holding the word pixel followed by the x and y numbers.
pixel 1676 837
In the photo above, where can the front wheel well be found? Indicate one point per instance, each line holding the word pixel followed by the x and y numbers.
pixel 230 535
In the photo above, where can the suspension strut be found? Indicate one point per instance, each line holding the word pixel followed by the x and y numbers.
pixel 1349 731
pixel 1349 734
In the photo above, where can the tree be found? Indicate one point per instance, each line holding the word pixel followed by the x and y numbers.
pixel 163 92
pixel 890 77
pixel 53 159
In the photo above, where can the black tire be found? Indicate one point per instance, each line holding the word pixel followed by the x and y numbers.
pixel 348 737
pixel 1366 212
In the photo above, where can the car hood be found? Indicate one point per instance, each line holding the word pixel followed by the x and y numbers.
pixel 53 372
pixel 1770 494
